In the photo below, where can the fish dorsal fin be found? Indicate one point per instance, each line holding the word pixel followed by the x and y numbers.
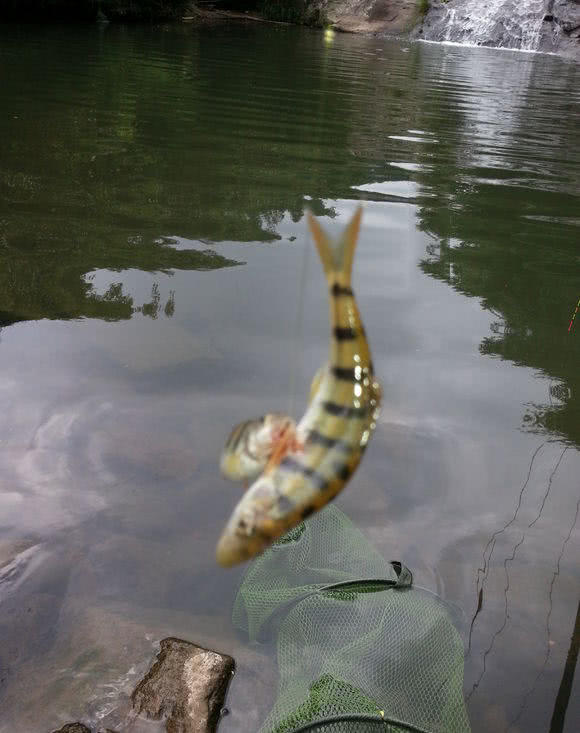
pixel 316 382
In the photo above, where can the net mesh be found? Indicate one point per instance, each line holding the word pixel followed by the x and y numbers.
pixel 370 652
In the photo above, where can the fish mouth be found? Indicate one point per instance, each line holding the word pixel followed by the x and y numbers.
pixel 235 547
pixel 231 550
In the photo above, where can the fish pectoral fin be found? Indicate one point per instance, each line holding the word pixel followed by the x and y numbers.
pixel 251 444
pixel 239 467
pixel 316 382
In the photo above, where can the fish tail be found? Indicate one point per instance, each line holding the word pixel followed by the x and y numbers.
pixel 337 256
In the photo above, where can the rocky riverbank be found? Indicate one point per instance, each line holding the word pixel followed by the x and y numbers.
pixel 35 11
pixel 393 17
pixel 555 23
pixel 358 16
pixel 561 32
pixel 374 16
pixel 558 31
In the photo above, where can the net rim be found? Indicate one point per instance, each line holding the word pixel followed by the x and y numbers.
pixel 360 717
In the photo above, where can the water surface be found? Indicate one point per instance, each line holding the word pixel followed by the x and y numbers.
pixel 153 184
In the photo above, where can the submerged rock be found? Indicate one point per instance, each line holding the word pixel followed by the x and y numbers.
pixel 187 685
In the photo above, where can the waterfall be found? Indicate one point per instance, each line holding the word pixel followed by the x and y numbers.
pixel 500 23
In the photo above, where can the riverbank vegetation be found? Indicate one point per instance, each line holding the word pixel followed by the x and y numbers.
pixel 292 11
pixel 90 10
pixel 309 12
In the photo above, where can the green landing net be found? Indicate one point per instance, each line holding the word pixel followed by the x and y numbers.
pixel 359 648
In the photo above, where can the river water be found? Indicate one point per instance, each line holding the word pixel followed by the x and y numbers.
pixel 153 248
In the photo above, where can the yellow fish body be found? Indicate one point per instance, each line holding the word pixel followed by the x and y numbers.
pixel 304 466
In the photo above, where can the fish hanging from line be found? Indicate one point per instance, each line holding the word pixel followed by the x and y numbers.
pixel 298 468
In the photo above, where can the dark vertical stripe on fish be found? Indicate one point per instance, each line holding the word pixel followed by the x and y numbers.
pixel 284 504
pixel 338 290
pixel 317 479
pixel 334 408
pixel 343 471
pixel 328 442
pixel 344 334
pixel 346 374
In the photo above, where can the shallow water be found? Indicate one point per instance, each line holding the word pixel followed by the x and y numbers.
pixel 153 183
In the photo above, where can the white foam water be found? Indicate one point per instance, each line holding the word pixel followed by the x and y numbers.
pixel 513 24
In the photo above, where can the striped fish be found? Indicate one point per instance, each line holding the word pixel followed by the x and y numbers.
pixel 300 468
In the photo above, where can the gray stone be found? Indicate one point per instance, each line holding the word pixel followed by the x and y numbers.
pixel 372 16
pixel 187 686
pixel 567 14
pixel 561 29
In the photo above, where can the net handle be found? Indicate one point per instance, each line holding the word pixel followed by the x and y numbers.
pixel 404 580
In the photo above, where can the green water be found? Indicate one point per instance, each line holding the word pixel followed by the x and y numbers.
pixel 153 183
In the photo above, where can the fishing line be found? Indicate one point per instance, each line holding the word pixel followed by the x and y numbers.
pixel 574 316
pixel 297 337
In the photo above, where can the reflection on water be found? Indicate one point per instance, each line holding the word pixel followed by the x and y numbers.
pixel 152 249
pixel 524 268
pixel 483 576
